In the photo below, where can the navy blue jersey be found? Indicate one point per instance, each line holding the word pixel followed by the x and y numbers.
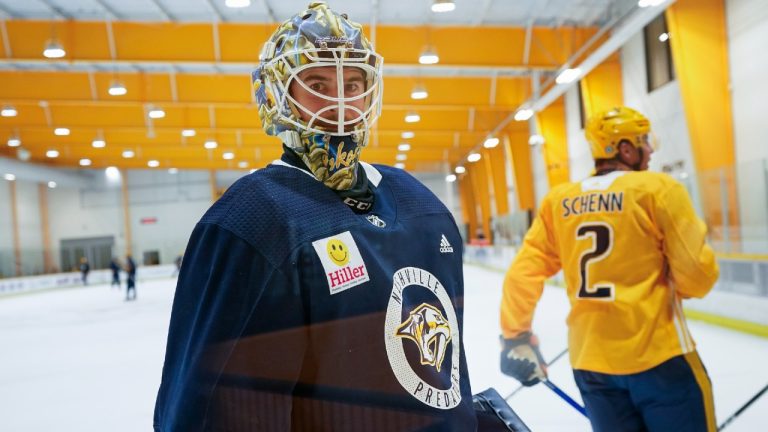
pixel 294 313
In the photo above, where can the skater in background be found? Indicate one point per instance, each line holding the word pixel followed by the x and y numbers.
pixel 631 248
pixel 177 262
pixel 130 270
pixel 114 265
pixel 85 268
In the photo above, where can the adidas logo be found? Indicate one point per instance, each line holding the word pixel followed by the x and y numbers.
pixel 445 247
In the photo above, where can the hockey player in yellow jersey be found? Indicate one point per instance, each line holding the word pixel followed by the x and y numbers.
pixel 631 249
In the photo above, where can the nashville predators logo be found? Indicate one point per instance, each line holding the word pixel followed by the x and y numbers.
pixel 429 329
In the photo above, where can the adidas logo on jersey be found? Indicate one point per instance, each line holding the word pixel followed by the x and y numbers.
pixel 445 247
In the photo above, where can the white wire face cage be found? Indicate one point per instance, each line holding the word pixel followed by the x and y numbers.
pixel 331 119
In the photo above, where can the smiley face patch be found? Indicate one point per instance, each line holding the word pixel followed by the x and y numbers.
pixel 343 265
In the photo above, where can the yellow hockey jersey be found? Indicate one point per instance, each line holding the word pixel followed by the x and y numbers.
pixel 631 247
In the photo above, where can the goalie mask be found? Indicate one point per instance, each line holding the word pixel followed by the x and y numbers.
pixel 318 87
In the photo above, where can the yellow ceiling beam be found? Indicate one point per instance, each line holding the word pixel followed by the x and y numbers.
pixel 238 42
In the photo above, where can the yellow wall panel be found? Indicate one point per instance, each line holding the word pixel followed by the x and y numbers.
pixel 601 89
pixel 453 90
pixel 497 166
pixel 512 91
pixel 521 163
pixel 221 88
pixel 151 41
pixel 552 126
pixel 242 42
pixel 46 86
pixel 105 116
pixel 479 179
pixel 468 205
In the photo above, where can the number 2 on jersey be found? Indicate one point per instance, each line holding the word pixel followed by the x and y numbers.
pixel 601 235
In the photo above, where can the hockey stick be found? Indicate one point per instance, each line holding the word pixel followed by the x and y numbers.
pixel 741 410
pixel 565 397
pixel 557 357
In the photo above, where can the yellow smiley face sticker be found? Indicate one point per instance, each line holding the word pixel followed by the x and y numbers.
pixel 338 252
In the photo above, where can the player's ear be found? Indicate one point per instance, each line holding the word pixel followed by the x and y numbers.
pixel 627 151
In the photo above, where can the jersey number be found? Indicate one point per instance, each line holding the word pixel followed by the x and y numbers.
pixel 602 242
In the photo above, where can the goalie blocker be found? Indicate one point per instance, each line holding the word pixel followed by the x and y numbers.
pixel 494 414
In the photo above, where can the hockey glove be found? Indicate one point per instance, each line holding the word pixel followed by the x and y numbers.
pixel 522 360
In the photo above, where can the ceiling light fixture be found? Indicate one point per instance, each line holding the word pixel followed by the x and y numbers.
pixel 53 49
pixel 9 111
pixel 117 88
pixel 173 170
pixel 52 184
pixel 568 75
pixel 535 140
pixel 52 153
pixel 188 133
pixel 98 143
pixel 127 154
pixel 523 114
pixel 400 165
pixel 153 163
pixel 412 117
pixel 211 144
pixel 85 162
pixel 663 37
pixel 443 6
pixel 228 155
pixel 429 56
pixel 235 4
pixel 9 177
pixel 460 170
pixel 14 142
pixel 419 92
pixel 401 157
pixel 450 178
pixel 242 164
pixel 474 157
pixel 404 147
pixel 156 113
pixel 61 131
pixel 407 135
pixel 491 142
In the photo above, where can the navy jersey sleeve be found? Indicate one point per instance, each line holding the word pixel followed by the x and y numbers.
pixel 236 338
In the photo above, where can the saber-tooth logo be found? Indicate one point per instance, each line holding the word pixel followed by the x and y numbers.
pixel 436 379
pixel 427 326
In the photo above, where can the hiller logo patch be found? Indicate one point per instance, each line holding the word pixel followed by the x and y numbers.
pixel 343 265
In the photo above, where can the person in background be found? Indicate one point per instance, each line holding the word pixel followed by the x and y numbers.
pixel 130 270
pixel 85 268
pixel 177 263
pixel 631 248
pixel 114 265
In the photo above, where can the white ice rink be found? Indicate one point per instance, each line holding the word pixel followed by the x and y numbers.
pixel 82 359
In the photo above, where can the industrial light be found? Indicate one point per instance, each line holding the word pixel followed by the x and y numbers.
pixel 664 37
pixel 474 157
pixel 404 147
pixel 523 114
pixel 412 117
pixel 253 170
pixel 401 157
pixel 450 178
pixel 53 49
pixel 98 143
pixel 188 133
pixel 228 156
pixel 8 111
pixel 85 162
pixel 211 144
pixel 237 3
pixel 568 75
pixel 52 184
pixel 173 170
pixel 419 92
pixel 14 142
pixel 52 153
pixel 242 164
pixel 459 170
pixel 429 56
pixel 647 3
pixel 400 165
pixel 156 113
pixel 61 131
pixel 117 88
pixel 127 154
pixel 153 163
pixel 9 177
pixel 535 140
pixel 491 142
pixel 443 6
pixel 112 173
pixel 407 135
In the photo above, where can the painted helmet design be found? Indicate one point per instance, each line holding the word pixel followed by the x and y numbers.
pixel 318 38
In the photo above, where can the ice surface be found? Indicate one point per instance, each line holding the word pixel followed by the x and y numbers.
pixel 83 359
